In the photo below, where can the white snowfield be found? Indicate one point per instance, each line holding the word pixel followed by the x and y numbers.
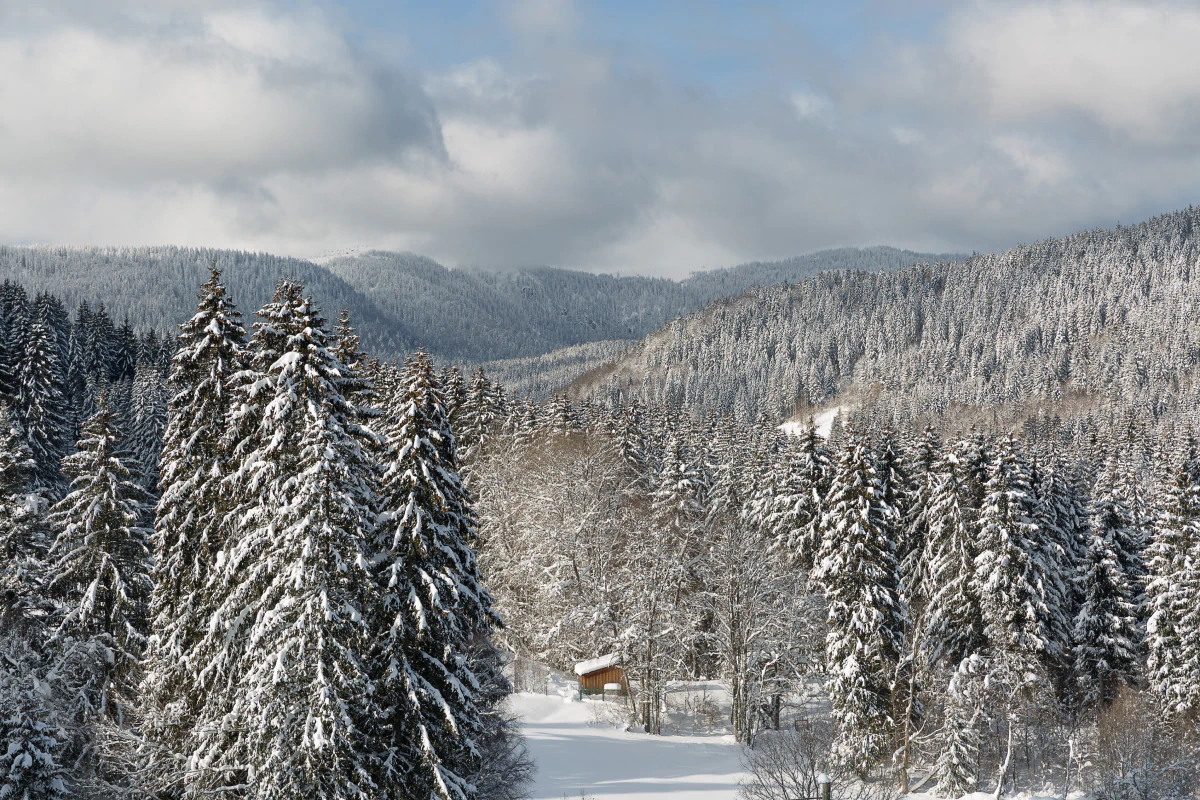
pixel 575 753
pixel 823 422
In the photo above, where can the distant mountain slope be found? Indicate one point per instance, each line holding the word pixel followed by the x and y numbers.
pixel 476 315
pixel 399 301
pixel 538 377
pixel 1064 324
pixel 155 287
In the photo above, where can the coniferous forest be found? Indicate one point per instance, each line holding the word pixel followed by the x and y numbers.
pixel 285 603
pixel 251 560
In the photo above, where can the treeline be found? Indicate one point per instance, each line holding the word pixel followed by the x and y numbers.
pixel 995 611
pixel 293 607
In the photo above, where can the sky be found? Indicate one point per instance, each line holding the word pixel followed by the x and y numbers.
pixel 628 136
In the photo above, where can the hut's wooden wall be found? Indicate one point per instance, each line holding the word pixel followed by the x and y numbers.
pixel 594 681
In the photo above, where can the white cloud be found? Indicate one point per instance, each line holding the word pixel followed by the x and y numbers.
pixel 809 105
pixel 240 94
pixel 268 128
pixel 543 17
pixel 1041 165
pixel 1131 68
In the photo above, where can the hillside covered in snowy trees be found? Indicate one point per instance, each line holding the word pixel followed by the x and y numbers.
pixel 1105 316
pixel 401 301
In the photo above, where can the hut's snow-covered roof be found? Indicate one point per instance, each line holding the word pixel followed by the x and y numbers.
pixel 603 662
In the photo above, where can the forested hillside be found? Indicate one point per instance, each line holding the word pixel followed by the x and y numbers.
pixel 1063 324
pixel 155 287
pixel 400 301
pixel 479 315
pixel 539 377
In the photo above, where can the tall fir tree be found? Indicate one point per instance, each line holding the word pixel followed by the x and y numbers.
pixel 190 522
pixel 21 541
pixel 952 625
pixel 1106 635
pixel 100 571
pixel 957 766
pixel 41 404
pixel 148 421
pixel 926 452
pixel 1171 591
pixel 1011 603
pixel 480 414
pixel 1117 501
pixel 857 570
pixel 31 747
pixel 793 510
pixel 433 595
pixel 297 589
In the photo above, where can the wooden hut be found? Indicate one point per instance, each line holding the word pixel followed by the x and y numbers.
pixel 596 674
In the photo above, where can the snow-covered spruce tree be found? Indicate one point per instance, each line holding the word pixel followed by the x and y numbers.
pixel 148 420
pixel 480 414
pixel 1018 632
pixel 8 361
pixel 190 521
pixel 676 500
pixel 80 404
pixel 499 745
pixel 53 313
pixel 794 506
pixel 100 574
pixel 560 416
pixel 360 388
pixel 1116 501
pixel 100 346
pixel 1106 631
pixel 454 392
pixel 433 598
pixel 857 571
pixel 301 716
pixel 1062 509
pixel 18 545
pixel 957 767
pixel 926 453
pixel 30 745
pixel 524 422
pixel 632 443
pixel 1171 589
pixel 16 330
pixel 1013 610
pixel 734 469
pixel 1053 569
pixel 41 406
pixel 347 346
pixel 952 625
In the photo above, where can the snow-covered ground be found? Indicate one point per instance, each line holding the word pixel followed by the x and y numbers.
pixel 823 421
pixel 576 753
